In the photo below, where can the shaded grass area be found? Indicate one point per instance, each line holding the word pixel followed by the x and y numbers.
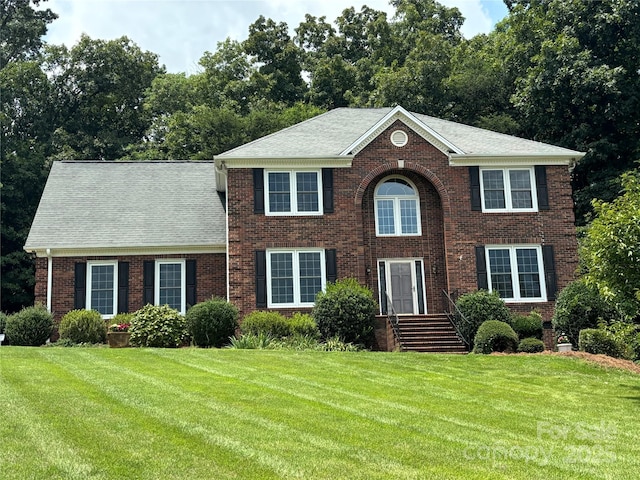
pixel 195 413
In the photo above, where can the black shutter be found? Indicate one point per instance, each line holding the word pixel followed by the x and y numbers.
pixel 80 286
pixel 261 279
pixel 474 178
pixel 327 190
pixel 383 288
pixel 481 268
pixel 258 190
pixel 548 258
pixel 191 275
pixel 541 187
pixel 331 265
pixel 123 287
pixel 420 287
pixel 148 274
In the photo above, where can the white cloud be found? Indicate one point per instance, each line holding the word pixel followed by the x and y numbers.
pixel 180 31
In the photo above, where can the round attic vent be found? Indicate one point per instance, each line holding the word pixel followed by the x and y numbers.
pixel 399 138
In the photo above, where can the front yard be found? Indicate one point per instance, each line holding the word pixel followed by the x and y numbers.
pixel 199 414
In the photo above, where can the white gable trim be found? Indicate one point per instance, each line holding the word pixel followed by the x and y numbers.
pixel 399 113
pixel 456 160
pixel 125 251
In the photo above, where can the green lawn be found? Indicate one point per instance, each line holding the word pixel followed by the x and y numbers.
pixel 214 414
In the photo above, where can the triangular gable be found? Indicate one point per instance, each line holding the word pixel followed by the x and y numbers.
pixel 399 113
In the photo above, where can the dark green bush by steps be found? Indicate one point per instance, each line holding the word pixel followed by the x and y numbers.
pixel 477 308
pixel 212 323
pixel 31 326
pixel 495 336
pixel 83 326
pixel 599 341
pixel 271 324
pixel 158 326
pixel 346 310
pixel 531 345
pixel 527 326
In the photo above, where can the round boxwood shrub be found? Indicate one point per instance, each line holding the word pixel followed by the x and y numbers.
pixel 346 310
pixel 495 336
pixel 271 324
pixel 580 306
pixel 303 325
pixel 477 308
pixel 531 345
pixel 212 323
pixel 157 326
pixel 31 326
pixel 599 341
pixel 527 326
pixel 83 326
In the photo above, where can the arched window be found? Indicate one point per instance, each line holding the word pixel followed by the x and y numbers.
pixel 397 207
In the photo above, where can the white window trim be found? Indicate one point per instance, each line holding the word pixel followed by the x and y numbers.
pixel 293 189
pixel 296 276
pixel 396 209
pixel 507 190
pixel 387 265
pixel 101 263
pixel 514 272
pixel 183 280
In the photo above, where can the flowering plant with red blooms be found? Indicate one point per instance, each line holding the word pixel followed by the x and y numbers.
pixel 563 339
pixel 119 327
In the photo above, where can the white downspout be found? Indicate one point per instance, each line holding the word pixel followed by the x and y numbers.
pixel 49 278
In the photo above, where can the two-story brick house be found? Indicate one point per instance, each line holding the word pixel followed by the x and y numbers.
pixel 410 205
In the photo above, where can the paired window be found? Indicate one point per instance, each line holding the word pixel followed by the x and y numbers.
pixel 102 287
pixel 293 192
pixel 170 284
pixel 516 272
pixel 511 190
pixel 294 277
pixel 397 208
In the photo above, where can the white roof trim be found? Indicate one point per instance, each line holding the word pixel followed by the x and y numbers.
pixel 343 161
pixel 480 160
pixel 125 251
pixel 399 113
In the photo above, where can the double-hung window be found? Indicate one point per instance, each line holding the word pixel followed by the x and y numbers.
pixel 293 192
pixel 294 277
pixel 102 287
pixel 516 272
pixel 170 284
pixel 397 208
pixel 508 189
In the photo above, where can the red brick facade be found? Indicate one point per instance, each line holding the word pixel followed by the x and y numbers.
pixel 450 229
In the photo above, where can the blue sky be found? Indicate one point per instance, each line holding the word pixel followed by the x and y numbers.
pixel 180 31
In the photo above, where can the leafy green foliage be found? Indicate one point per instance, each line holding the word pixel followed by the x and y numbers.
pixel 346 310
pixel 478 307
pixel 31 326
pixel 599 341
pixel 495 336
pixel 3 321
pixel 580 306
pixel 212 323
pixel 531 345
pixel 527 325
pixel 252 341
pixel 83 326
pixel 303 325
pixel 158 326
pixel 270 323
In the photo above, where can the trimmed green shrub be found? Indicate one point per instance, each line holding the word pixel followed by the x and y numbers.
pixel 273 324
pixel 580 306
pixel 495 336
pixel 212 323
pixel 599 341
pixel 31 326
pixel 158 326
pixel 3 321
pixel 527 326
pixel 303 325
pixel 477 308
pixel 531 345
pixel 628 337
pixel 346 310
pixel 83 326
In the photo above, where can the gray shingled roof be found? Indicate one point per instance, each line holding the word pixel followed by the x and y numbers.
pixel 329 134
pixel 129 204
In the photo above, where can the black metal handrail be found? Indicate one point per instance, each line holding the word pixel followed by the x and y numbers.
pixel 392 316
pixel 457 318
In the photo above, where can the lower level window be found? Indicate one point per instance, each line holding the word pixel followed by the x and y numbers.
pixel 170 284
pixel 102 287
pixel 516 272
pixel 294 277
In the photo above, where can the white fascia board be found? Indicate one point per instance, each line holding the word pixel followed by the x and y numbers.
pixel 341 161
pixel 399 113
pixel 125 251
pixel 483 160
